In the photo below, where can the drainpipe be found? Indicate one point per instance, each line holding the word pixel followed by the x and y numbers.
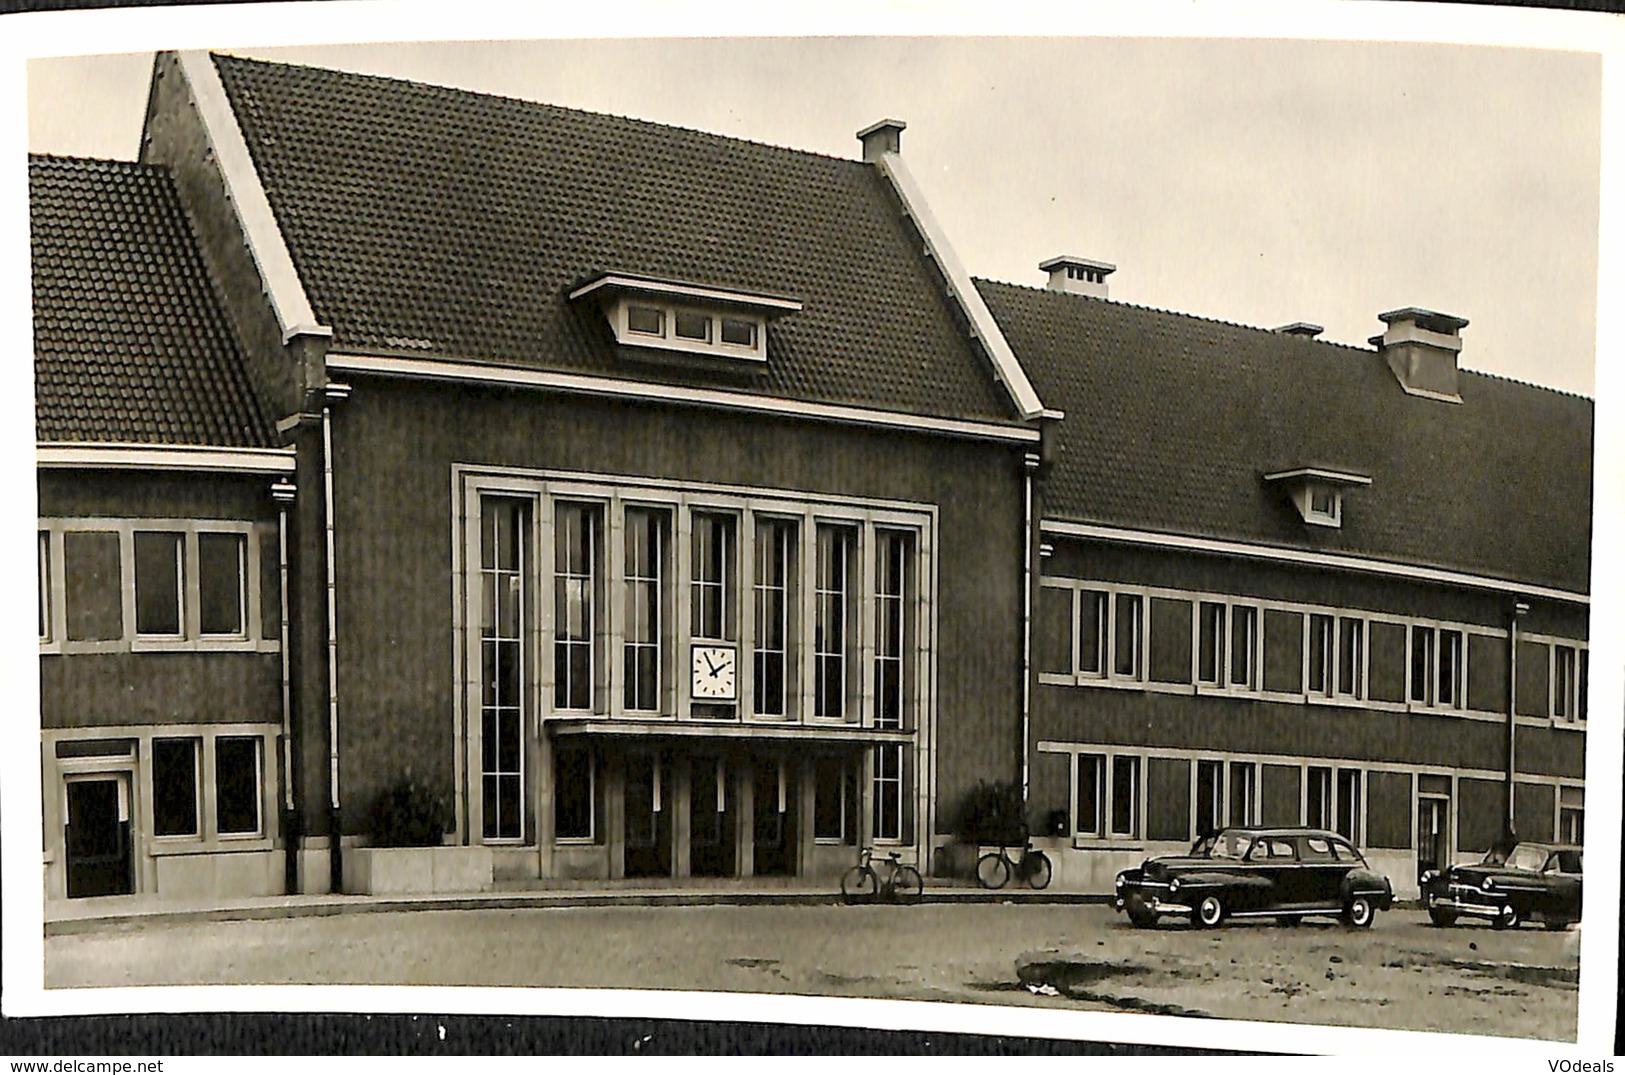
pixel 333 393
pixel 1029 466
pixel 1519 608
pixel 283 493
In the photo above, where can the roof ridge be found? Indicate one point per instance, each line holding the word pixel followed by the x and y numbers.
pixel 531 103
pixel 1520 382
pixel 1178 313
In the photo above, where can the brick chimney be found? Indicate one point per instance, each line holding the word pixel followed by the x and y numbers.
pixel 1078 276
pixel 1421 347
pixel 883 137
pixel 1300 328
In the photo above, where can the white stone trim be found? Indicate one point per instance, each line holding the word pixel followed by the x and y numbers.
pixel 246 194
pixel 1305 557
pixel 101 455
pixel 446 369
pixel 1005 365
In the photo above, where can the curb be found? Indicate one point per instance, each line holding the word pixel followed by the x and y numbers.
pixel 343 905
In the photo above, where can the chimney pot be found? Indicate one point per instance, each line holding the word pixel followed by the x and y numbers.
pixel 1300 328
pixel 883 137
pixel 1078 276
pixel 1422 348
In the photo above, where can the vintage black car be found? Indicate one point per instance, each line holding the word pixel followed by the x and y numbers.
pixel 1532 882
pixel 1283 873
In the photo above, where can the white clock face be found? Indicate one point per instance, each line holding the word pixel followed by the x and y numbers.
pixel 715 673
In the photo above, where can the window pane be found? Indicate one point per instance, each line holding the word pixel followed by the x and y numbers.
pixel 174 787
pixel 157 583
pixel 1210 660
pixel 1091 789
pixel 91 581
pixel 1125 796
pixel 645 541
pixel 44 584
pixel 1320 653
pixel 693 326
pixel 1422 665
pixel 1091 632
pixel 740 333
pixel 1242 777
pixel 222 565
pixel 831 605
pixel 1126 635
pixel 1209 797
pixel 1349 810
pixel 774 552
pixel 892 555
pixel 1450 668
pixel 1350 656
pixel 576 532
pixel 573 792
pixel 712 577
pixel 646 320
pixel 1243 646
pixel 1318 802
pixel 237 785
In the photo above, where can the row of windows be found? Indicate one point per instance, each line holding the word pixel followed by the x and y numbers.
pixel 836 779
pixel 1189 797
pixel 1109 634
pixel 1107 793
pixel 152 584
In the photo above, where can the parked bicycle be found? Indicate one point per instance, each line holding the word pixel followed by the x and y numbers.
pixel 862 884
pixel 994 869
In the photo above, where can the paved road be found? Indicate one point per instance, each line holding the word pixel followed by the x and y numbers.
pixel 1401 974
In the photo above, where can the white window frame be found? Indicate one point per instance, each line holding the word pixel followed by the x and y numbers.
pixel 668 339
pixel 592 798
pixel 258 831
pixel 1107 834
pixel 1569 697
pixel 1362 636
pixel 259 539
pixel 1326 640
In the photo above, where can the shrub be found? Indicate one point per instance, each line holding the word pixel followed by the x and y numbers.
pixel 992 813
pixel 409 814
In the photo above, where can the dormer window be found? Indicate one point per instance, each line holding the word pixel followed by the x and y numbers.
pixel 690 318
pixel 1317 492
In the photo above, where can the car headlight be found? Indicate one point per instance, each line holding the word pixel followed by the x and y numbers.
pixel 1173 886
pixel 1489 883
pixel 1120 881
pixel 1429 876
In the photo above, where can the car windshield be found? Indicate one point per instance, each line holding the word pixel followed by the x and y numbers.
pixel 1524 857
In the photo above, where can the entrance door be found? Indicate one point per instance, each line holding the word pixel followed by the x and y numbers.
pixel 1432 834
pixel 98 836
pixel 648 833
pixel 711 823
pixel 774 817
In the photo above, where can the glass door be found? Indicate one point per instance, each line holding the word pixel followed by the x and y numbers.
pixel 648 830
pixel 774 817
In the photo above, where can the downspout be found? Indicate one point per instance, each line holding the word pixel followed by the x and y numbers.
pixel 1519 608
pixel 283 493
pixel 335 859
pixel 1029 468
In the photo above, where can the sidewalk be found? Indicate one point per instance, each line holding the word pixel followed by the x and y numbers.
pixel 125 912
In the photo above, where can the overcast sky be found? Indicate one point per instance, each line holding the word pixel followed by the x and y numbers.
pixel 1262 182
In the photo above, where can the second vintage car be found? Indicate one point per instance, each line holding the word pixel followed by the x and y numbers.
pixel 1532 882
pixel 1281 873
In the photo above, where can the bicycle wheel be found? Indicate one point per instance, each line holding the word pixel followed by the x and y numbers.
pixel 1035 864
pixel 992 870
pixel 860 884
pixel 907 886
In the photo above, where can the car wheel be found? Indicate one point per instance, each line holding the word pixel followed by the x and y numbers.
pixel 1288 920
pixel 1209 912
pixel 1141 917
pixel 1442 917
pixel 1508 918
pixel 1557 925
pixel 1359 913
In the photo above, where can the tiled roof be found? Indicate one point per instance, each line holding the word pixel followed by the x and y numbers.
pixel 1172 421
pixel 434 221
pixel 130 344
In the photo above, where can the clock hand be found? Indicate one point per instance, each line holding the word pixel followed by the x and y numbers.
pixel 707 658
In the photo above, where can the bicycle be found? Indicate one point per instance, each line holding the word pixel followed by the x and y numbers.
pixel 994 869
pixel 861 884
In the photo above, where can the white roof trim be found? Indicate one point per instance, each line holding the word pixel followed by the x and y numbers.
pixel 672 289
pixel 1005 365
pixel 480 373
pixel 1308 558
pixel 1339 477
pixel 115 456
pixel 247 196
